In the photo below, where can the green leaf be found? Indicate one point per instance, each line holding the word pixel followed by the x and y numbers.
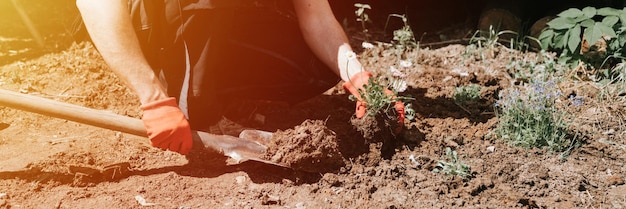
pixel 580 19
pixel 564 59
pixel 574 38
pixel 589 12
pixel 622 16
pixel 561 23
pixel 571 13
pixel 546 38
pixel 621 40
pixel 593 34
pixel 614 45
pixel 608 11
pixel 560 41
pixel 365 6
pixel 607 30
pixel 610 20
pixel 587 23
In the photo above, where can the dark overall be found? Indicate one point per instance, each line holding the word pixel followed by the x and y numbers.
pixel 238 50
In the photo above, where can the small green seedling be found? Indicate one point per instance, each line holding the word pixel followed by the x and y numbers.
pixel 467 94
pixel 453 166
pixel 362 16
pixel 379 100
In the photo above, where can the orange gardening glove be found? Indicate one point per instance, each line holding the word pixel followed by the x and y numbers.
pixel 357 82
pixel 167 126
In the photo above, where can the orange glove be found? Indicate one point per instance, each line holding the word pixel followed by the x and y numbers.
pixel 167 126
pixel 357 82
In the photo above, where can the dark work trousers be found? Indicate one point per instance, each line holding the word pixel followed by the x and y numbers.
pixel 234 55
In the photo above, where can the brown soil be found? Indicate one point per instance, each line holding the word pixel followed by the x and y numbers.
pixel 52 163
pixel 310 147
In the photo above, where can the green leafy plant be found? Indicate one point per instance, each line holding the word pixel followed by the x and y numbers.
pixel 573 27
pixel 530 67
pixel 453 166
pixel 362 16
pixel 528 116
pixel 379 100
pixel 403 38
pixel 467 93
pixel 484 43
pixel 490 38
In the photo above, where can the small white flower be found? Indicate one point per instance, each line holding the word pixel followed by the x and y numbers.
pixel 406 63
pixel 350 55
pixel 413 160
pixel 399 85
pixel 396 73
pixel 367 45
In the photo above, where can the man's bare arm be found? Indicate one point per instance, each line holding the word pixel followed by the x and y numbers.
pixel 110 27
pixel 326 37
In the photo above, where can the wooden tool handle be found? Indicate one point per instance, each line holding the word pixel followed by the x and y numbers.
pixel 99 118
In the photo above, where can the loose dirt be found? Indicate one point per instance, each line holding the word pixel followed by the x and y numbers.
pixel 310 147
pixel 53 163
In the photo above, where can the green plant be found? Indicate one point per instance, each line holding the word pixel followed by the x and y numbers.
pixel 529 117
pixel 467 93
pixel 379 100
pixel 362 17
pixel 573 27
pixel 530 67
pixel 382 93
pixel 403 38
pixel 488 39
pixel 453 166
pixel 484 43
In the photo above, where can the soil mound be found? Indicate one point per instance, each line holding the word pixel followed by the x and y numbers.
pixel 310 147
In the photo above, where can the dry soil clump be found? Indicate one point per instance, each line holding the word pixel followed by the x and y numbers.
pixel 310 147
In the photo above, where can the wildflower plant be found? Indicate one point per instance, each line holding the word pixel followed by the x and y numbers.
pixel 381 93
pixel 528 116
pixel 362 16
pixel 467 94
pixel 453 166
pixel 403 37
pixel 527 68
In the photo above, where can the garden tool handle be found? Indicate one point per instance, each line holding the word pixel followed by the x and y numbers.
pixel 98 118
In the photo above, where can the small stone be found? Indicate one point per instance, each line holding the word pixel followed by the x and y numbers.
pixel 3 196
pixel 615 180
pixel 240 179
pixel 300 205
pixel 491 149
pixel 4 204
pixel 270 200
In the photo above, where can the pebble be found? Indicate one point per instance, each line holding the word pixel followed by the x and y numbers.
pixel 4 201
pixel 491 148
pixel 615 180
pixel 300 205
pixel 240 179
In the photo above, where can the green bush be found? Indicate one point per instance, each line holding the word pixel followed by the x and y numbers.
pixel 567 31
pixel 529 118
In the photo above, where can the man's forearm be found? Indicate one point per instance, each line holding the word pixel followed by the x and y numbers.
pixel 326 37
pixel 110 27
